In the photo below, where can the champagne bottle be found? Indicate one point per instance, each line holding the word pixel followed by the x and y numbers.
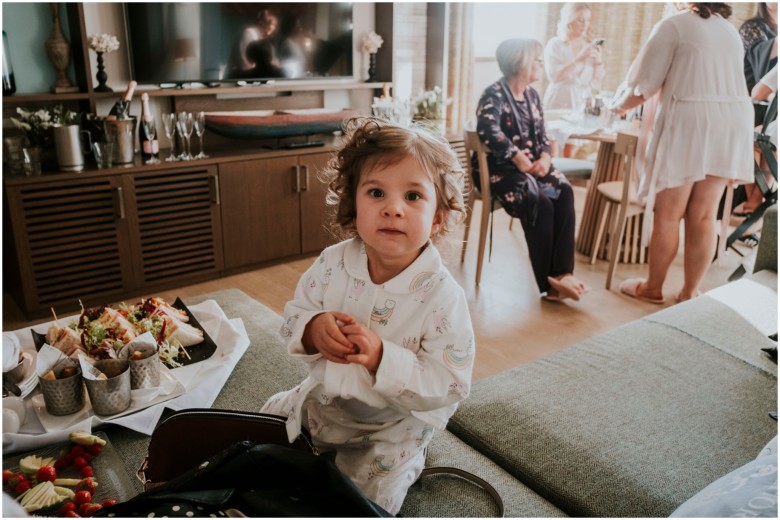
pixel 150 146
pixel 9 84
pixel 121 109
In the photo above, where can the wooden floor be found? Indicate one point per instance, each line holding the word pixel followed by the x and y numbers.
pixel 513 325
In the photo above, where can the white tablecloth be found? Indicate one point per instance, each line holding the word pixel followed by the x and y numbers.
pixel 202 382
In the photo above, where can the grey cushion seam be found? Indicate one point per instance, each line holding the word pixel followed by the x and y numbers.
pixel 709 344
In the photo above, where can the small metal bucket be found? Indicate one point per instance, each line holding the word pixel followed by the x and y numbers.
pixel 112 395
pixel 121 132
pixel 63 396
pixel 145 373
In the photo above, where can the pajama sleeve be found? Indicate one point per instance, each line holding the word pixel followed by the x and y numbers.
pixel 305 305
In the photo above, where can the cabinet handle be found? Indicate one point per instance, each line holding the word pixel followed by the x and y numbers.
pixel 119 203
pixel 297 179
pixel 305 186
pixel 214 189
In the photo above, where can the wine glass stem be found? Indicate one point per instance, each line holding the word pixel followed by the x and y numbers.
pixel 200 140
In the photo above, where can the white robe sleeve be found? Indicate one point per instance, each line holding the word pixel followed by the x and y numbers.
pixel 651 66
pixel 556 57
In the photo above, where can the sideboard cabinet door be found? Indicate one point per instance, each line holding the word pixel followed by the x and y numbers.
pixel 260 210
pixel 71 242
pixel 175 226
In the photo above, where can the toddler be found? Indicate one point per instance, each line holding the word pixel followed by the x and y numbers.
pixel 381 323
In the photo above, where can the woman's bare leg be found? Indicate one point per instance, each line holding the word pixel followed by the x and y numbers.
pixel 670 206
pixel 700 233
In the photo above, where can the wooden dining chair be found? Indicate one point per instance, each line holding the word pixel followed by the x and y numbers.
pixel 620 196
pixel 481 192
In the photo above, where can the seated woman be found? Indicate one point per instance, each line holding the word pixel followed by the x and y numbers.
pixel 511 123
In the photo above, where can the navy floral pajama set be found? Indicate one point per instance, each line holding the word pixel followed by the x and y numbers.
pixel 544 205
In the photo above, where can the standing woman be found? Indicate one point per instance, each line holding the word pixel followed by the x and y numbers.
pixel 702 138
pixel 511 123
pixel 572 61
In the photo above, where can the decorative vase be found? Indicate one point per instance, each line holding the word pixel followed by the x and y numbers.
pixel 58 51
pixel 101 75
pixel 371 68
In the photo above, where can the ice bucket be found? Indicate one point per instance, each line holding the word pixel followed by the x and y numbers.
pixel 121 132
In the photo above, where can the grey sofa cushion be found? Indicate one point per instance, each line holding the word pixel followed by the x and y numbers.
pixel 716 324
pixel 632 422
pixel 447 496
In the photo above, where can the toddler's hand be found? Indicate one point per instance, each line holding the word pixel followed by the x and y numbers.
pixel 368 346
pixel 322 335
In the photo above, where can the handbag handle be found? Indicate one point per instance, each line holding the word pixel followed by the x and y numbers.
pixel 471 478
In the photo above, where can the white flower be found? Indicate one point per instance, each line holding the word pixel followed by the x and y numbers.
pixel 103 43
pixel 371 43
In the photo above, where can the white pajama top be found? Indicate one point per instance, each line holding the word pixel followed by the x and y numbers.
pixel 428 343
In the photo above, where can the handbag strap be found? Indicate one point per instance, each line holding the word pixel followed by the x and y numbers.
pixel 471 478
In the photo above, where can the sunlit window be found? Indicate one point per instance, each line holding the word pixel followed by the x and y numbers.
pixel 496 22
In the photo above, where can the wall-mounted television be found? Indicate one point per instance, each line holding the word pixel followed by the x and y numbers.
pixel 172 42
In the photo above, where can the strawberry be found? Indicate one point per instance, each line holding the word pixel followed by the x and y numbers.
pixel 72 514
pixel 82 497
pixel 86 471
pixel 108 502
pixel 61 463
pixel 22 486
pixel 15 480
pixel 90 509
pixel 78 463
pixel 95 449
pixel 7 474
pixel 46 474
pixel 66 507
pixel 77 451
pixel 86 484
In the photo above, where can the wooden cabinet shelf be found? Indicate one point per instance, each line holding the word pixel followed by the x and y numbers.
pixel 25 99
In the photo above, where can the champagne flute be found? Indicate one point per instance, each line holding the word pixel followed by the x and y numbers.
pixel 150 130
pixel 200 129
pixel 184 124
pixel 169 123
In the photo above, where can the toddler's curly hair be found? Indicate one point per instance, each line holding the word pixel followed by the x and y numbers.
pixel 371 142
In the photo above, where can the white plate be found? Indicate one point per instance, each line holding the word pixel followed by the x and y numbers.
pixel 169 388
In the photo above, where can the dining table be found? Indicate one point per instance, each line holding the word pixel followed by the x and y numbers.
pixel 608 167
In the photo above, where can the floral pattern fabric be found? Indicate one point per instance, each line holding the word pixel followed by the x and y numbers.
pixel 509 126
pixel 755 30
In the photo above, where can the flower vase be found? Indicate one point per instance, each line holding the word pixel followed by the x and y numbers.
pixel 371 68
pixel 101 75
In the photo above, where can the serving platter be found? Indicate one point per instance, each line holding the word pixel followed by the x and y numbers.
pixel 141 398
pixel 198 352
pixel 108 470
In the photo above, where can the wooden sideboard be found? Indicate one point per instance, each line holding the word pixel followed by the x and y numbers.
pixel 105 235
